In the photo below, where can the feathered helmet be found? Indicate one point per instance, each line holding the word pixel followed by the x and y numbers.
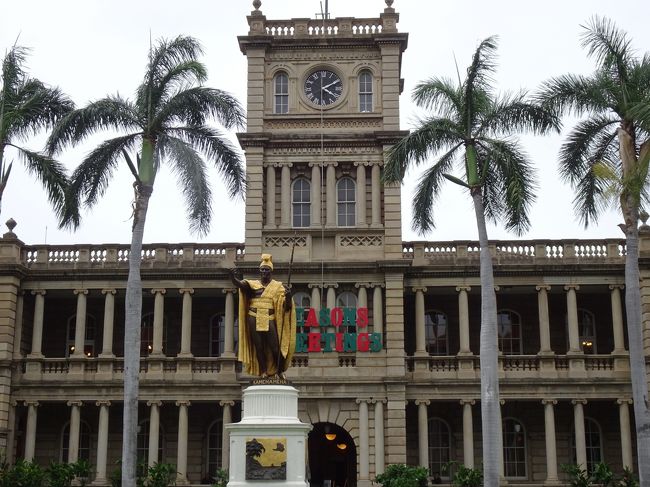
pixel 267 261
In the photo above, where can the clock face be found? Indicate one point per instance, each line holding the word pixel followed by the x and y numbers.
pixel 323 87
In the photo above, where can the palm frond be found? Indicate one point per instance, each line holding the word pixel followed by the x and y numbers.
pixel 428 190
pixel 438 94
pixel 610 46
pixel 591 197
pixel 575 93
pixel 35 107
pixel 516 176
pixel 191 170
pixel 431 136
pixel 225 157
pixel 50 172
pixel 12 68
pixel 477 84
pixel 585 145
pixel 194 105
pixel 112 112
pixel 510 113
pixel 91 178
pixel 178 78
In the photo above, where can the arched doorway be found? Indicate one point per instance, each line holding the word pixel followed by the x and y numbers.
pixel 332 457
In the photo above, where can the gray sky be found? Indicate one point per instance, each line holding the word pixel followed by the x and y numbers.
pixel 91 48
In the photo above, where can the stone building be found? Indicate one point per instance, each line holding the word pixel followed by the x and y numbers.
pixel 398 386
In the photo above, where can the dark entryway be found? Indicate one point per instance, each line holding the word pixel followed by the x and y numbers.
pixel 332 457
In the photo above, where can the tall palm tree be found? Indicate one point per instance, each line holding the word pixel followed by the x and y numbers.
pixel 28 106
pixel 605 158
pixel 168 122
pixel 471 127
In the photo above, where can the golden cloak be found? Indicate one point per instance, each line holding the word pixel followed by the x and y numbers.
pixel 285 322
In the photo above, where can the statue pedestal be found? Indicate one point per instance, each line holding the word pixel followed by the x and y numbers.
pixel 268 447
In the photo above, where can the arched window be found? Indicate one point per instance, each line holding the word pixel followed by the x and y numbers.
pixel 89 340
pixel 146 335
pixel 509 328
pixel 346 299
pixel 587 329
pixel 281 93
pixel 593 444
pixel 439 447
pixel 214 448
pixel 345 202
pixel 435 327
pixel 301 203
pixel 218 334
pixel 365 91
pixel 302 301
pixel 514 448
pixel 84 442
pixel 143 443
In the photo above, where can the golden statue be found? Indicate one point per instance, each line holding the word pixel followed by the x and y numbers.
pixel 267 323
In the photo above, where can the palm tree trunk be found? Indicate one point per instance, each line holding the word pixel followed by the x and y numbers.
pixel 637 356
pixel 490 405
pixel 132 323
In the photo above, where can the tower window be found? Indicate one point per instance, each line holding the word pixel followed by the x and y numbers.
pixel 281 93
pixel 435 327
pixel 345 201
pixel 365 92
pixel 301 203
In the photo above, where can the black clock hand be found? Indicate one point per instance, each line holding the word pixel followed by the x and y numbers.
pixel 333 83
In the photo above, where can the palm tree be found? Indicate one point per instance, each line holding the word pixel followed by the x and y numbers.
pixel 167 120
pixel 27 106
pixel 605 158
pixel 472 128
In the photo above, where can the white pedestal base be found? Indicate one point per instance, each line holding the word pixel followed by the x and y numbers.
pixel 269 415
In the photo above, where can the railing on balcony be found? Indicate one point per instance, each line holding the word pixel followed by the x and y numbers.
pixel 116 255
pixel 551 252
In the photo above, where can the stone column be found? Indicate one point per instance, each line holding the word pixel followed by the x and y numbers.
pixel 315 297
pixel 75 427
pixel 186 323
pixel 270 196
pixel 10 455
pixel 102 442
pixel 626 436
pixel 109 313
pixel 226 418
pixel 376 195
pixel 463 319
pixel 579 420
pixel 80 324
pixel 330 203
pixel 377 309
pixel 158 321
pixel 420 345
pixel 154 431
pixel 315 194
pixel 379 436
pixel 364 463
pixel 551 444
pixel 30 430
pixel 331 295
pixel 572 318
pixel 229 332
pixel 181 458
pixel 544 323
pixel 423 432
pixel 361 195
pixel 37 332
pixel 285 196
pixel 617 319
pixel 468 432
pixel 362 295
pixel 18 337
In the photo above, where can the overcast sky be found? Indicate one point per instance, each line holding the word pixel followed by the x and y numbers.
pixel 91 48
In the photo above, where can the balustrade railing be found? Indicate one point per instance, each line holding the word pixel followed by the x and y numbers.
pixel 517 252
pixel 337 27
pixel 115 255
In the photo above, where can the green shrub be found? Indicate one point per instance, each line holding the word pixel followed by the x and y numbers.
pixel 464 476
pixel 601 475
pixel 22 474
pixel 220 478
pixel 400 475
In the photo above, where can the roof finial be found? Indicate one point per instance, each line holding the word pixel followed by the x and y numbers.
pixel 389 3
pixel 257 4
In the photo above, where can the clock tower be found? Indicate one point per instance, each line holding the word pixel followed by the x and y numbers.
pixel 323 107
